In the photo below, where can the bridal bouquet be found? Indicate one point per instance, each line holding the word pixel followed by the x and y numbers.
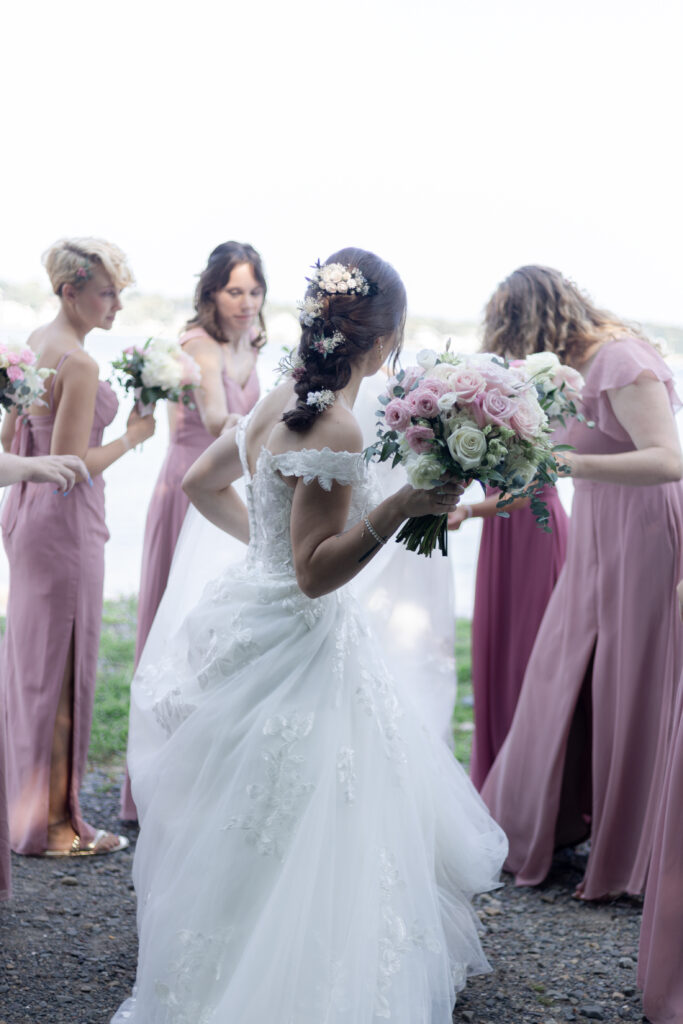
pixel 158 369
pixel 473 418
pixel 21 384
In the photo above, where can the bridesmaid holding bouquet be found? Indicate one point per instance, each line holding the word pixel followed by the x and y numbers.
pixel 586 752
pixel 224 337
pixel 55 546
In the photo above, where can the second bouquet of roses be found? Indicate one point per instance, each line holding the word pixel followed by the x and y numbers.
pixel 21 384
pixel 469 417
pixel 158 369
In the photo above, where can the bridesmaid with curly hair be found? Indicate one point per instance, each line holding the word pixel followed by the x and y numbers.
pixel 55 547
pixel 586 751
pixel 225 337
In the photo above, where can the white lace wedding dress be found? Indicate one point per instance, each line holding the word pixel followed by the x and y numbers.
pixel 308 849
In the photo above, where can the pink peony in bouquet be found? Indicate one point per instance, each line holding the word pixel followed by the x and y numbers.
pixel 473 418
pixel 158 369
pixel 21 384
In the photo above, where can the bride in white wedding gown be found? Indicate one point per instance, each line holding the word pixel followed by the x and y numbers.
pixel 308 849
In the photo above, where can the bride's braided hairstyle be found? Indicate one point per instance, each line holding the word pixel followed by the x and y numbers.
pixel 339 327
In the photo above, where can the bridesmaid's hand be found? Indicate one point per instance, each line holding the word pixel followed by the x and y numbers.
pixel 566 463
pixel 139 428
pixel 457 517
pixel 62 470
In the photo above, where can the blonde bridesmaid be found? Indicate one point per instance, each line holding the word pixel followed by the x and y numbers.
pixel 55 546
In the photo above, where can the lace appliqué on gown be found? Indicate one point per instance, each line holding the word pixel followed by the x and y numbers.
pixel 191 975
pixel 397 939
pixel 279 800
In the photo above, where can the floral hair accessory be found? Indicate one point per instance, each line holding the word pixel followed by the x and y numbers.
pixel 320 399
pixel 291 364
pixel 84 272
pixel 335 278
pixel 332 279
pixel 324 345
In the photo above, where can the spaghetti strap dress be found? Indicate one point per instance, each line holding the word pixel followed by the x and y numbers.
pixel 168 507
pixel 55 549
pixel 587 748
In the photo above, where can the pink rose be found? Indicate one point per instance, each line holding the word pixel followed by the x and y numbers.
pixel 397 414
pixel 420 438
pixel 467 383
pixel 423 403
pixel 497 407
pixel 15 373
pixel 437 387
pixel 13 358
pixel 495 374
pixel 571 378
pixel 527 418
pixel 410 377
pixel 27 356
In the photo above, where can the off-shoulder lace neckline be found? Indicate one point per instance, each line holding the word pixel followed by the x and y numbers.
pixel 313 459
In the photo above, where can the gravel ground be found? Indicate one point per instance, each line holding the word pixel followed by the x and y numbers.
pixel 68 946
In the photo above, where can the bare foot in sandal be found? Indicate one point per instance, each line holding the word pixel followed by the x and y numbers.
pixel 64 842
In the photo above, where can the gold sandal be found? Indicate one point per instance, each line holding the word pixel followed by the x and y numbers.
pixel 79 849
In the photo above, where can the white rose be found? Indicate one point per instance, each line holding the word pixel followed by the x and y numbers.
pixel 334 273
pixel 442 371
pixel 543 363
pixel 447 401
pixel 467 445
pixel 342 286
pixel 427 358
pixel 423 471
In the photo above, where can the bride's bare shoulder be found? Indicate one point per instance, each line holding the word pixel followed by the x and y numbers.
pixel 336 428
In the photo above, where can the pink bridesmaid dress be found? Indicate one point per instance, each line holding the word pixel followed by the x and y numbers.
pixel 5 867
pixel 660 962
pixel 517 569
pixel 55 549
pixel 591 758
pixel 167 511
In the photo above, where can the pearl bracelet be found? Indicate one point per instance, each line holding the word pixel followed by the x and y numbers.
pixel 372 531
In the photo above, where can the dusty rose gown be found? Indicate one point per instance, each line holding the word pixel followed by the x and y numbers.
pixel 517 569
pixel 55 549
pixel 5 867
pixel 592 758
pixel 660 963
pixel 167 511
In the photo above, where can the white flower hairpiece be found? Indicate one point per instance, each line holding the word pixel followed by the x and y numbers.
pixel 320 399
pixel 326 345
pixel 331 279
pixel 334 278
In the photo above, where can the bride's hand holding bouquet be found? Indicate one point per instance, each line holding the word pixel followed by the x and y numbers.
pixel 468 418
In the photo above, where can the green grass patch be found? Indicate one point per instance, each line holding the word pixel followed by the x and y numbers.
pixel 463 713
pixel 109 735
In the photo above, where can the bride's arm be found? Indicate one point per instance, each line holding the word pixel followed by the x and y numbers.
pixel 208 485
pixel 326 556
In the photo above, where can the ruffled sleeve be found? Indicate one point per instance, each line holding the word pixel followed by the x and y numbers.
pixel 324 465
pixel 618 364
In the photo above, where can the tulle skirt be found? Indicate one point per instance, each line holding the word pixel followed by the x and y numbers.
pixel 307 846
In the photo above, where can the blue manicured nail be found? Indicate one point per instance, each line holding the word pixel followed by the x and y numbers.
pixel 90 483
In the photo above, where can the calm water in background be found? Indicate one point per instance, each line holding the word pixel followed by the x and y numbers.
pixel 130 481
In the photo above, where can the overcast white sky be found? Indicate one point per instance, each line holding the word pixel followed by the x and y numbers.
pixel 457 138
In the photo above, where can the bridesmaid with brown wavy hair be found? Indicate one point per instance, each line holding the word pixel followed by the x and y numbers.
pixel 586 751
pixel 55 548
pixel 225 337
